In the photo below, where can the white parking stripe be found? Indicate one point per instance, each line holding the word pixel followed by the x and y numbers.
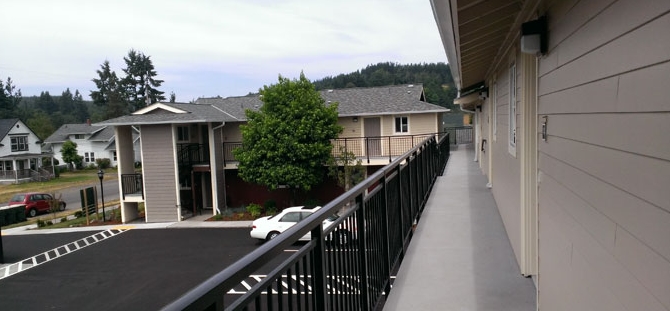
pixel 39 259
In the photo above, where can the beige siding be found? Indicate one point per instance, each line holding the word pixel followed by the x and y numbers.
pixel 424 123
pixel 604 206
pixel 351 128
pixel 159 173
pixel 231 132
pixel 507 179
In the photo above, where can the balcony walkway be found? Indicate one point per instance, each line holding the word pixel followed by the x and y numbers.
pixel 460 257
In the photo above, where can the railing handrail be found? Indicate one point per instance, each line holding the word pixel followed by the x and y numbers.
pixel 206 294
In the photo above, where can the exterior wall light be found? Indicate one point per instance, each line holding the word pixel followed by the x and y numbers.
pixel 534 36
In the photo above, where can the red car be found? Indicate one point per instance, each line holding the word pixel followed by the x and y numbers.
pixel 35 202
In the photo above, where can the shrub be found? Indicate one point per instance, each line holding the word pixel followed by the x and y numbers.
pixel 254 209
pixel 64 219
pixel 40 223
pixel 217 217
pixel 103 163
pixel 270 207
pixel 49 223
pixel 310 203
pixel 78 214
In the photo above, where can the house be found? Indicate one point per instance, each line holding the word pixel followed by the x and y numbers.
pixel 572 115
pixel 93 142
pixel 187 158
pixel 20 153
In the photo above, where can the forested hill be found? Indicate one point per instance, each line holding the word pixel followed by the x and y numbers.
pixel 436 78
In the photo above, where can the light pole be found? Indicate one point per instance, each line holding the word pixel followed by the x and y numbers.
pixel 101 175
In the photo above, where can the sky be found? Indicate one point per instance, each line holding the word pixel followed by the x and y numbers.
pixel 207 48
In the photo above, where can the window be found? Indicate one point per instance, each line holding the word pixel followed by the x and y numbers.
pixel 78 136
pixel 512 109
pixel 401 125
pixel 89 157
pixel 19 143
pixel 182 133
pixel 291 217
pixel 114 155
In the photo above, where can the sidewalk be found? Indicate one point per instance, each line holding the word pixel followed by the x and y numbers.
pixel 193 222
pixel 460 257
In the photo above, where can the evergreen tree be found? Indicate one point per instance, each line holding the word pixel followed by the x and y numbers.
pixel 139 83
pixel 110 93
pixel 9 99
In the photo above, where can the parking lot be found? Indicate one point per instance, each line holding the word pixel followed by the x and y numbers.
pixel 137 269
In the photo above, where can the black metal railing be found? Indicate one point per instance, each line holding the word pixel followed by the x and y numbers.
pixel 367 148
pixel 461 134
pixel 344 266
pixel 190 154
pixel 131 184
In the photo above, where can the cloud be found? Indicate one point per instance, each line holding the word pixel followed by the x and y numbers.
pixel 209 48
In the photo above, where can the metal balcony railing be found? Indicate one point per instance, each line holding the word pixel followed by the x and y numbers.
pixel 366 148
pixel 131 184
pixel 190 154
pixel 346 266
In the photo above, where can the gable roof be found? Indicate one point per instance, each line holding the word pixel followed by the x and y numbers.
pixel 386 100
pixel 98 133
pixel 6 125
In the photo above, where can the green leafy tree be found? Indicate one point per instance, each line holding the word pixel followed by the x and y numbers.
pixel 110 93
pixel 346 168
pixel 69 154
pixel 140 84
pixel 287 142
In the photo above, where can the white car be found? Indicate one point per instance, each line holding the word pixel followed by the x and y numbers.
pixel 269 227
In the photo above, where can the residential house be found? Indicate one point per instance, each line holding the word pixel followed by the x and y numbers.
pixel 186 149
pixel 93 142
pixel 572 133
pixel 20 153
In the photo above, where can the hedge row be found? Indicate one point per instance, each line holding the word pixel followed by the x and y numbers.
pixel 12 215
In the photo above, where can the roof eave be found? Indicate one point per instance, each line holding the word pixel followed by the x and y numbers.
pixel 445 13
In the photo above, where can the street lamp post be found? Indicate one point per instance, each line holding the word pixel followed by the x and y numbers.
pixel 101 175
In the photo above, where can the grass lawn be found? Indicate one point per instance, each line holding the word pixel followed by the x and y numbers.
pixel 65 180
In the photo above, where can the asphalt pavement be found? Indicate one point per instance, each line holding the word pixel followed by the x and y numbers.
pixel 140 267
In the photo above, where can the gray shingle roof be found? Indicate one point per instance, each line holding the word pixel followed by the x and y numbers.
pixel 98 133
pixel 6 125
pixel 386 100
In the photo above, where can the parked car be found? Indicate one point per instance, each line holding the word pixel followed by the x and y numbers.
pixel 269 227
pixel 35 202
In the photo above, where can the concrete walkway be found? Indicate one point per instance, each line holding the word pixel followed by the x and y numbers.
pixel 460 257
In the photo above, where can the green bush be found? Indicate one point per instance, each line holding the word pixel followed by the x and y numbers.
pixel 254 209
pixel 310 203
pixel 79 214
pixel 64 219
pixel 270 207
pixel 41 223
pixel 103 163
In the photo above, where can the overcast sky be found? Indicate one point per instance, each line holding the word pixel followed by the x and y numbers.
pixel 209 48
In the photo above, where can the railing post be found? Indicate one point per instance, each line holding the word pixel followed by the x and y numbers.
pixel 363 260
pixel 389 148
pixel 319 270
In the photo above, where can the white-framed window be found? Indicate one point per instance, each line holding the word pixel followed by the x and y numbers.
pixel 512 110
pixel 401 124
pixel 495 110
pixel 19 143
pixel 78 136
pixel 182 133
pixel 89 157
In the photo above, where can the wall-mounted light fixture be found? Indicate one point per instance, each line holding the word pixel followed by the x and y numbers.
pixel 354 119
pixel 534 36
pixel 484 93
